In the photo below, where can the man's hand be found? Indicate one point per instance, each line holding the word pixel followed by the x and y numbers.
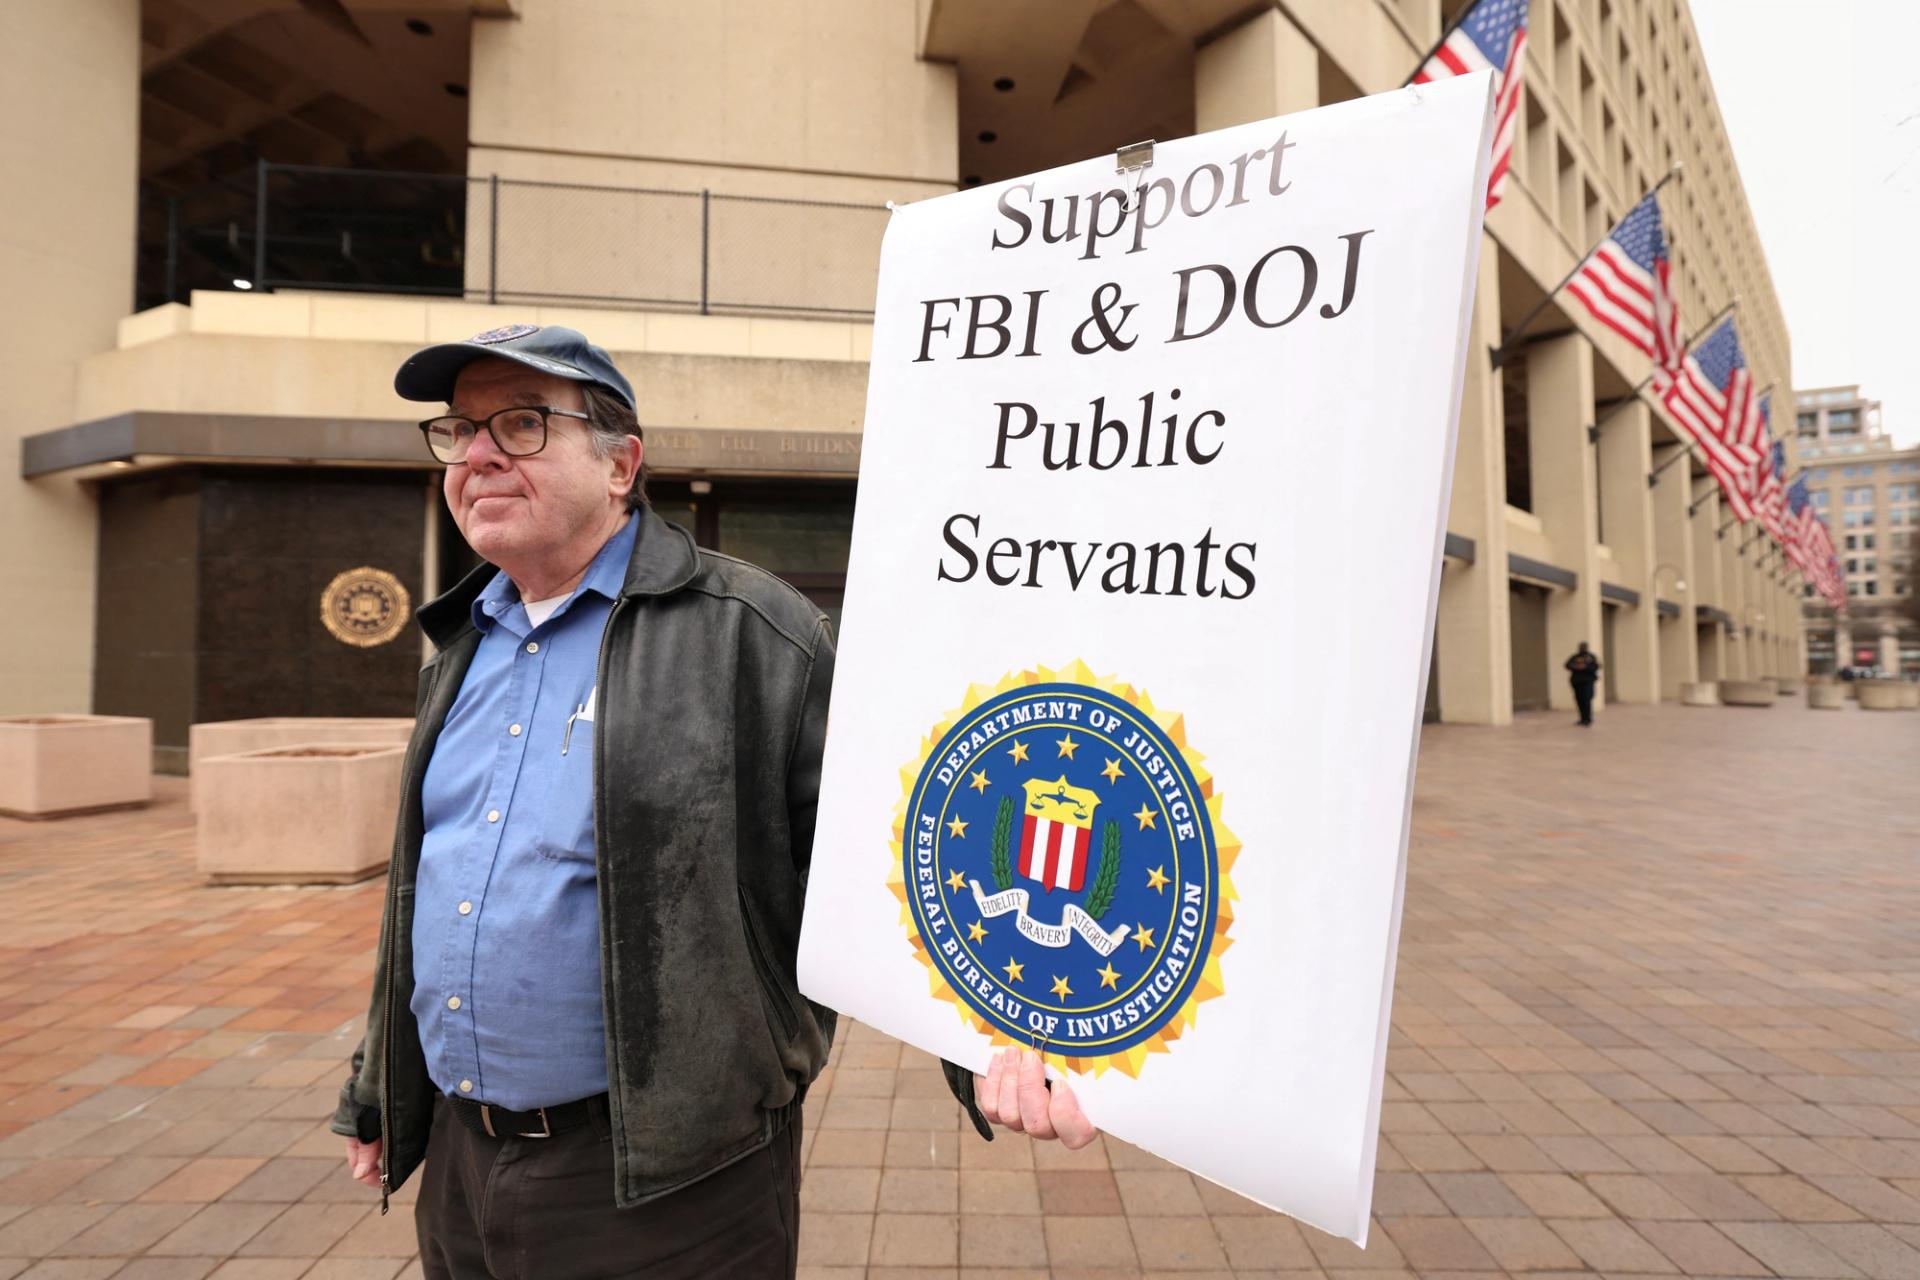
pixel 363 1161
pixel 1014 1094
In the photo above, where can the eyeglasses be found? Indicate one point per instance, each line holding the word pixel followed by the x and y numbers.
pixel 518 431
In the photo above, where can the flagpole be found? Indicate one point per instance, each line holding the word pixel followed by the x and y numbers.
pixel 1445 31
pixel 1500 352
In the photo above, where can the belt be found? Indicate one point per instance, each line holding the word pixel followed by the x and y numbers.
pixel 541 1122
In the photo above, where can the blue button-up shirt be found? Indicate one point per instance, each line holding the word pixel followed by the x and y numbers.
pixel 506 922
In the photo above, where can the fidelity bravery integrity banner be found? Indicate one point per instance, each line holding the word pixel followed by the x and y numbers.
pixel 1137 622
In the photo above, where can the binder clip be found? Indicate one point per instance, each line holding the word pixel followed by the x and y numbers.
pixel 1039 1038
pixel 1134 158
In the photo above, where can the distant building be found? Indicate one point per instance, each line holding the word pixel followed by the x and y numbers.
pixel 1869 492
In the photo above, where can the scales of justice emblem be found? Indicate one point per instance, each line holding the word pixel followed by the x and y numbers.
pixel 1062 868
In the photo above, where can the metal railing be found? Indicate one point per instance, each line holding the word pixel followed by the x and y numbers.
pixel 506 240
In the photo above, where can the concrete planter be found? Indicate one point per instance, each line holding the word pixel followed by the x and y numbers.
pixel 1887 695
pixel 56 765
pixel 1704 694
pixel 232 737
pixel 1747 693
pixel 1826 697
pixel 317 813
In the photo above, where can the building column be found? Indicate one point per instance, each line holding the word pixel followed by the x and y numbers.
pixel 1710 586
pixel 1625 455
pixel 1797 645
pixel 1793 645
pixel 70 128
pixel 1262 68
pixel 1780 618
pixel 1559 407
pixel 1780 615
pixel 1768 592
pixel 1890 648
pixel 1733 576
pixel 1673 567
pixel 1472 633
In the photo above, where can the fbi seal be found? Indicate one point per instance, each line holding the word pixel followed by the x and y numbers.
pixel 364 607
pixel 1062 868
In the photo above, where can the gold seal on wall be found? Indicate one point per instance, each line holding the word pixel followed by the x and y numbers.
pixel 365 607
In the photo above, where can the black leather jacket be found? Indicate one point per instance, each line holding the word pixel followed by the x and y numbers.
pixel 714 677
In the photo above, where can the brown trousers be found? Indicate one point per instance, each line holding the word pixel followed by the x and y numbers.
pixel 542 1209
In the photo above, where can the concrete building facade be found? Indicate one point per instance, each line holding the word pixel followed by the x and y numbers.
pixel 1868 489
pixel 265 206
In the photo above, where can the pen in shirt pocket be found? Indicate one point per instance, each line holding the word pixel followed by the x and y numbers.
pixel 583 711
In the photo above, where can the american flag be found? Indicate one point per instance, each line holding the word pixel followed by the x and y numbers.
pixel 1824 564
pixel 1798 519
pixel 1492 35
pixel 1769 482
pixel 1710 395
pixel 1624 283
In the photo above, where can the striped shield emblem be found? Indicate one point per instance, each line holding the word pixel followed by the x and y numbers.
pixel 1055 834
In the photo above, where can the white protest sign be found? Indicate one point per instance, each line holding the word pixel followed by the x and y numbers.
pixel 1144 567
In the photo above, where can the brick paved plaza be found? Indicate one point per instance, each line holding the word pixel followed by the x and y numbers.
pixel 1656 1015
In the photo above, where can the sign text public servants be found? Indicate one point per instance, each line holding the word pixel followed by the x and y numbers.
pixel 1139 428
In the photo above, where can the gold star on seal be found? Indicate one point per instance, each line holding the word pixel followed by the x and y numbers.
pixel 1013 970
pixel 1108 977
pixel 1157 878
pixel 976 931
pixel 1112 772
pixel 979 782
pixel 1143 936
pixel 956 881
pixel 1060 987
pixel 1019 751
pixel 957 828
pixel 1067 746
pixel 1147 817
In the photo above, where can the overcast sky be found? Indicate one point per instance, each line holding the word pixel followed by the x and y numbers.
pixel 1822 102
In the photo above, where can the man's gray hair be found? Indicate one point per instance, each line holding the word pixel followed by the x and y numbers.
pixel 610 422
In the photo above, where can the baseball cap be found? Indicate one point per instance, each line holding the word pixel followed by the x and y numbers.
pixel 429 373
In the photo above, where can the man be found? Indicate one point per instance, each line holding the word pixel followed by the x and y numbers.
pixel 1582 670
pixel 585 1019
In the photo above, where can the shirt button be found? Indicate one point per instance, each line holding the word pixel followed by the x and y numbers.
pixel 453 1002
pixel 466 908
pixel 466 1086
pixel 533 646
pixel 493 815
pixel 514 729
